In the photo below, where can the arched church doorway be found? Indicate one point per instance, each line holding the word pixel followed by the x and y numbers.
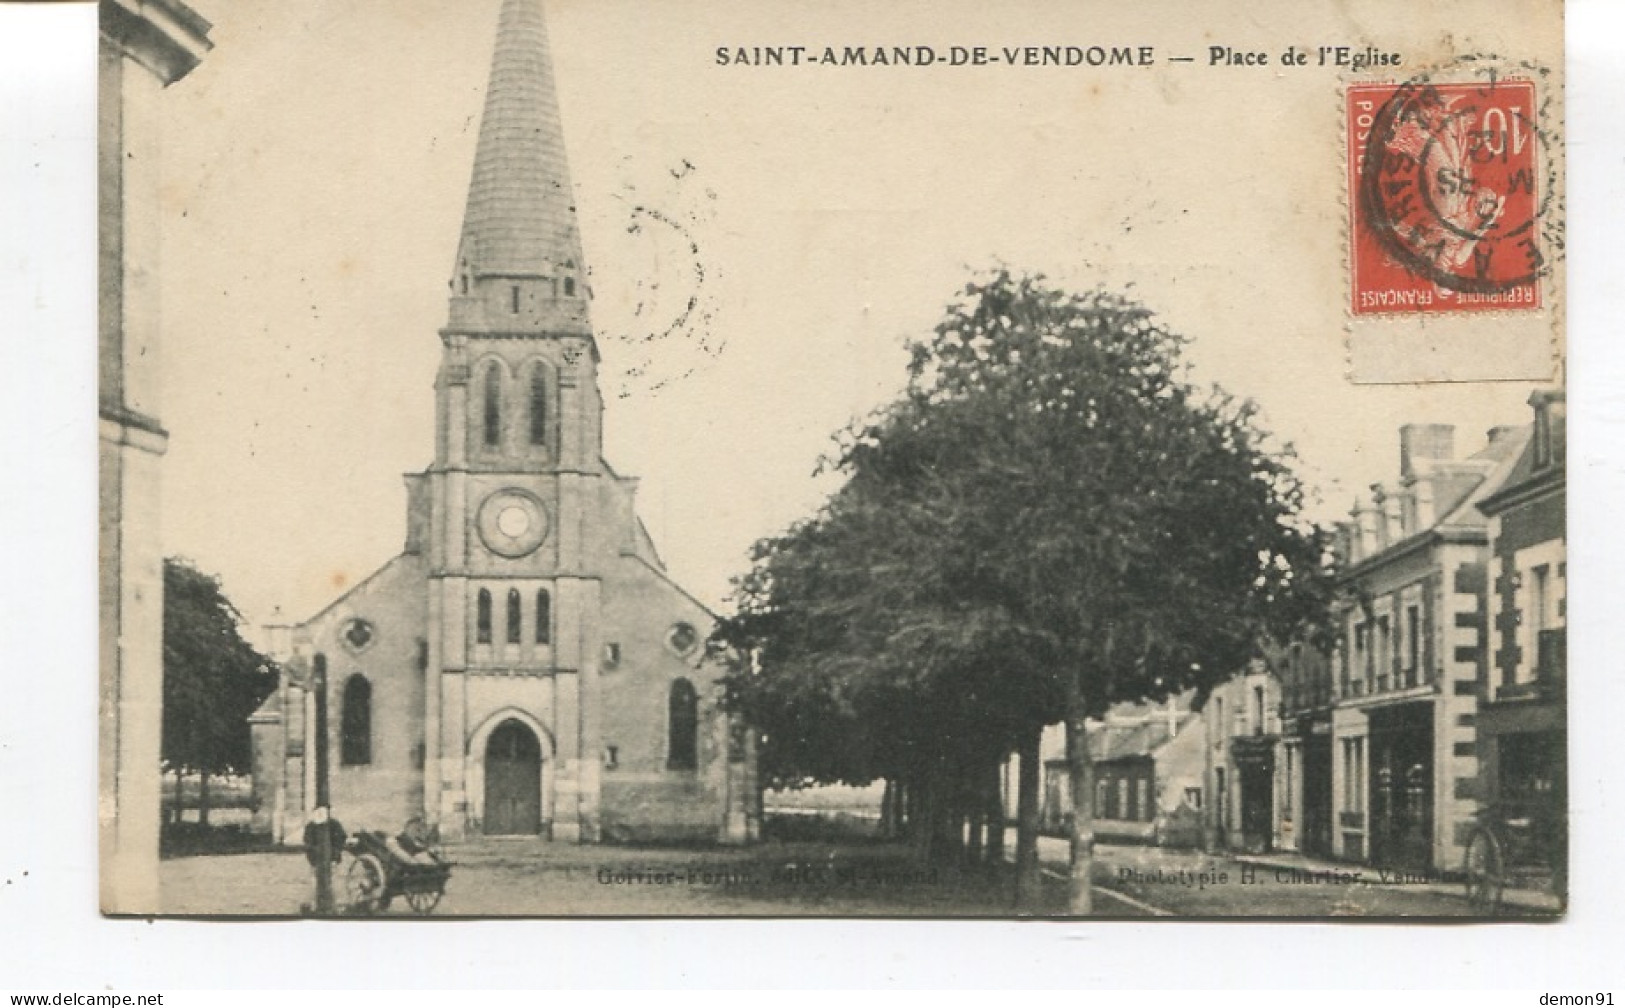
pixel 513 780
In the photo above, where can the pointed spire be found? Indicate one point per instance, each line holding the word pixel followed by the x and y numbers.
pixel 520 221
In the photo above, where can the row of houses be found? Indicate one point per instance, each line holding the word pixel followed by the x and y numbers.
pixel 1439 697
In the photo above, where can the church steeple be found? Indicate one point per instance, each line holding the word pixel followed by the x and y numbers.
pixel 519 265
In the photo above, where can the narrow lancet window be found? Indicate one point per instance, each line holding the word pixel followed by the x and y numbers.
pixel 493 406
pixel 538 406
pixel 544 617
pixel 513 616
pixel 682 752
pixel 355 722
pixel 482 618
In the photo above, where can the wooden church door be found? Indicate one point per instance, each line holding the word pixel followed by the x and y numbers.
pixel 513 781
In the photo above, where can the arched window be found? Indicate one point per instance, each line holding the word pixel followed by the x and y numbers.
pixel 544 617
pixel 493 405
pixel 683 738
pixel 538 406
pixel 513 615
pixel 482 618
pixel 355 722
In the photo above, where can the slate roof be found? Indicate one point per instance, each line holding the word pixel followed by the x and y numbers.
pixel 1110 742
pixel 520 218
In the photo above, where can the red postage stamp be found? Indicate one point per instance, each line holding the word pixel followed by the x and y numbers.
pixel 1443 197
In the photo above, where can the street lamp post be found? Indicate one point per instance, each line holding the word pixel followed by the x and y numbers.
pixel 324 834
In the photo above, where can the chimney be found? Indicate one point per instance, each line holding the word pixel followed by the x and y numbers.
pixel 1393 510
pixel 1365 524
pixel 1381 507
pixel 1346 543
pixel 1422 494
pixel 1425 442
pixel 1500 433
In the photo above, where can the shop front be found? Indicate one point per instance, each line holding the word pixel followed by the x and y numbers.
pixel 1402 794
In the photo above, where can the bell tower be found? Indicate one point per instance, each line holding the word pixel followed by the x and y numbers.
pixel 514 589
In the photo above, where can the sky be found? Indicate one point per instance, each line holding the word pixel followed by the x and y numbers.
pixel 317 161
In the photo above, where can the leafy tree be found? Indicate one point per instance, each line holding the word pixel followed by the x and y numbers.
pixel 213 679
pixel 1051 520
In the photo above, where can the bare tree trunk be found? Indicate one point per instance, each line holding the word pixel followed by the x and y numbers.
pixel 911 809
pixel 175 805
pixel 1027 881
pixel 888 809
pixel 993 803
pixel 955 824
pixel 203 798
pixel 946 840
pixel 1079 895
pixel 926 841
pixel 976 816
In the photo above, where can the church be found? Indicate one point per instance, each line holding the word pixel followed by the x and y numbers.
pixel 525 665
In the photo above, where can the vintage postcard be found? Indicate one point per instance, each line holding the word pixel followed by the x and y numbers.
pixel 999 459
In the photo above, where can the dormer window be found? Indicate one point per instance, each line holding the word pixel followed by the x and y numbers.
pixel 569 287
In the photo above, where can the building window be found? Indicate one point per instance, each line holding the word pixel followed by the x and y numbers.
pixel 538 406
pixel 1258 710
pixel 513 616
pixel 1142 798
pixel 1218 717
pixel 1101 787
pixel 683 717
pixel 1353 774
pixel 682 638
pixel 493 406
pixel 1193 797
pixel 1383 654
pixel 514 302
pixel 482 618
pixel 1362 655
pixel 544 617
pixel 1122 800
pixel 1543 597
pixel 1291 794
pixel 355 722
pixel 569 287
pixel 1413 644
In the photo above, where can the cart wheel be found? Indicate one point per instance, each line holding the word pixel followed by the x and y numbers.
pixel 1485 871
pixel 364 884
pixel 423 902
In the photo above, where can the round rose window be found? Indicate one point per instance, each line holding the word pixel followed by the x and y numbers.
pixel 512 522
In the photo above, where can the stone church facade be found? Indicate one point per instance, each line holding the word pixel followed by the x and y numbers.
pixel 525 665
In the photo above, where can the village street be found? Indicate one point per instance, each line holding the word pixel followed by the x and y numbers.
pixel 527 877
